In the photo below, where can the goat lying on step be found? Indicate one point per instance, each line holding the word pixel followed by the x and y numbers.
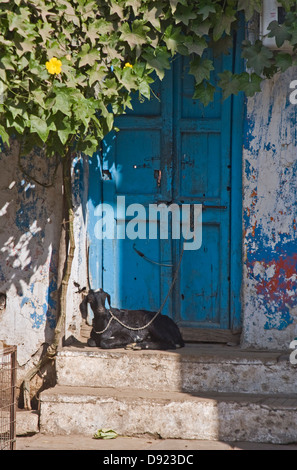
pixel 131 329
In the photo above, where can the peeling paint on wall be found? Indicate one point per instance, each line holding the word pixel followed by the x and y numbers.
pixel 269 217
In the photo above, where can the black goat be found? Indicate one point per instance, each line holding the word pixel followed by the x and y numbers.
pixel 107 332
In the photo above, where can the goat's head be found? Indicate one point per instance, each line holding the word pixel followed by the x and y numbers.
pixel 97 299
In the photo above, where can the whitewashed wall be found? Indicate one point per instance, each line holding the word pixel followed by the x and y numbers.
pixel 30 224
pixel 30 221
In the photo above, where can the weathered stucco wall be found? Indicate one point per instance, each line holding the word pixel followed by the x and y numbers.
pixel 30 221
pixel 270 218
pixel 79 275
pixel 30 225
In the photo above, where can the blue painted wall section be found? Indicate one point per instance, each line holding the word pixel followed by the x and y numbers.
pixel 30 220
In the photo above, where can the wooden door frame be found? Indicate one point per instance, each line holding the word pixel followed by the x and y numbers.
pixel 95 198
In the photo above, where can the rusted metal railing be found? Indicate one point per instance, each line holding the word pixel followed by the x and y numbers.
pixel 8 369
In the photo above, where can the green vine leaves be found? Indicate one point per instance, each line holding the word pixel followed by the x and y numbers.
pixel 67 68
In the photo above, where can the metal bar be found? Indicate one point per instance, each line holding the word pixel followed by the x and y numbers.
pixel 214 207
pixel 13 401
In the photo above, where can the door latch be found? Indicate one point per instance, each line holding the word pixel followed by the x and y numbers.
pixel 141 167
pixel 158 177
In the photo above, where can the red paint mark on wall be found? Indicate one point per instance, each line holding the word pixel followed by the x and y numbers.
pixel 254 195
pixel 254 229
pixel 281 287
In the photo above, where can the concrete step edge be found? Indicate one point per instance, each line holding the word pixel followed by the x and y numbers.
pixel 191 353
pixel 83 394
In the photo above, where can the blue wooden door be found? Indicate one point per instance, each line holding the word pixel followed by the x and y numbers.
pixel 171 150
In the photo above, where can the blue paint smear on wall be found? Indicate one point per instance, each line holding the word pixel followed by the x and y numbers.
pixel 275 284
pixel 270 254
pixel 46 315
pixel 30 220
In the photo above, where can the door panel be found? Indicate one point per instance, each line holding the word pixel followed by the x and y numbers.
pixel 200 292
pixel 200 178
pixel 137 156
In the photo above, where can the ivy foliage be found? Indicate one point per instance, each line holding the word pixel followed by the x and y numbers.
pixel 67 68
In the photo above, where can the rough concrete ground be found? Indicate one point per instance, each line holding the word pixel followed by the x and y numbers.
pixel 75 442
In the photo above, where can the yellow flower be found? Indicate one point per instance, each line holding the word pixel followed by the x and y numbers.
pixel 127 64
pixel 54 66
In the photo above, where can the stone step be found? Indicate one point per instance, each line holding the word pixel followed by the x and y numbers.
pixel 193 369
pixel 27 422
pixel 173 415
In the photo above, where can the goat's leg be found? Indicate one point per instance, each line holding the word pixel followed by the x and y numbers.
pixel 111 343
pixel 134 346
pixel 154 345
